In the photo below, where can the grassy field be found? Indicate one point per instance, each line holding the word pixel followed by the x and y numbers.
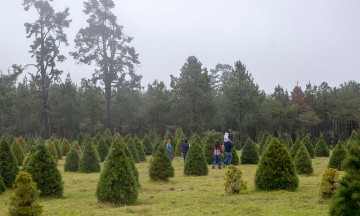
pixel 184 195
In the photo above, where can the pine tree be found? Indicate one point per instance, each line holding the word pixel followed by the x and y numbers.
pixel 72 161
pixel 2 185
pixel 267 143
pixel 195 163
pixel 77 148
pixel 338 157
pixel 179 139
pixel 309 146
pixel 346 200
pixel 21 142
pixel 8 164
pixel 233 180
pixel 262 142
pixel 161 168
pixel 24 201
pixel 237 144
pixel 139 148
pixel 287 140
pixel 235 157
pixel 249 154
pixel 50 145
pixel 117 183
pixel 321 149
pixel 329 183
pixel 353 140
pixel 148 146
pixel 89 162
pixel 295 147
pixel 157 143
pixel 30 144
pixel 131 145
pixel 102 149
pixel 44 172
pixel 58 149
pixel 276 170
pixel 302 160
pixel 65 147
pixel 17 151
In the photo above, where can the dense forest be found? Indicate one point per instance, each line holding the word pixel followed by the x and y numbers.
pixel 225 98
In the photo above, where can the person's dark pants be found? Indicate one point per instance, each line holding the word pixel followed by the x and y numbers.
pixel 228 158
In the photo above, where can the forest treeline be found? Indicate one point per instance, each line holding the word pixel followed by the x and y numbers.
pixel 225 98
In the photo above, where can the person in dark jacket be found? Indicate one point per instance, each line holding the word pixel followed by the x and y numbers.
pixel 185 148
pixel 228 146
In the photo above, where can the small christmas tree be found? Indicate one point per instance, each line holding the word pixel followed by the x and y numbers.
pixel 294 149
pixel 102 149
pixel 8 164
pixel 50 145
pixel 21 142
pixel 161 168
pixel 18 151
pixel 139 148
pixel 179 139
pixel 235 157
pixel 321 149
pixel 249 154
pixel 287 140
pixel 2 185
pixel 65 147
pixel 262 142
pixel 195 163
pixel 338 157
pixel 77 148
pixel 267 143
pixel 148 146
pixel 44 172
pixel 72 161
pixel 117 183
pixel 237 144
pixel 89 162
pixel 302 160
pixel 309 146
pixel 329 183
pixel 276 170
pixel 131 145
pixel 233 180
pixel 23 202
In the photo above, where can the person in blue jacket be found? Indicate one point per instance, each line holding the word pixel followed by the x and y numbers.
pixel 228 146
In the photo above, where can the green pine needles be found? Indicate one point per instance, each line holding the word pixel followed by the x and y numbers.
pixel 276 170
pixel 302 160
pixel 309 146
pixel 338 157
pixel 89 162
pixel 161 168
pixel 249 154
pixel 321 149
pixel 8 164
pixel 102 149
pixel 2 185
pixel 72 161
pixel 195 163
pixel 117 183
pixel 233 180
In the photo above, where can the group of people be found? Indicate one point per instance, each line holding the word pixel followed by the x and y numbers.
pixel 217 151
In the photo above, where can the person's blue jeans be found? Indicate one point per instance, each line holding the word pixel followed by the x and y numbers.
pixel 217 159
pixel 228 158
pixel 184 155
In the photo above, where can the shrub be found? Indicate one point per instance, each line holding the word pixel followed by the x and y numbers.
pixel 179 139
pixel 21 142
pixel 235 157
pixel 89 162
pixel 329 183
pixel 233 180
pixel 102 149
pixel 148 146
pixel 8 164
pixel 276 170
pixel 24 201
pixel 17 151
pixel 353 140
pixel 267 143
pixel 346 200
pixel 44 172
pixel 139 148
pixel 338 157
pixel 294 149
pixel 195 163
pixel 131 145
pixel 262 142
pixel 157 142
pixel 2 185
pixel 50 145
pixel 249 154
pixel 65 147
pixel 117 183
pixel 58 149
pixel 161 167
pixel 30 144
pixel 303 163
pixel 309 146
pixel 321 149
pixel 72 161
pixel 237 144
pixel 77 148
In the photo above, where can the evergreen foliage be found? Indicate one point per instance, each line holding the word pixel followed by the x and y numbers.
pixel 249 154
pixel 148 146
pixel 233 180
pixel 262 142
pixel 161 168
pixel 196 139
pixel 81 137
pixel 44 172
pixel 65 147
pixel 209 141
pixel 235 157
pixel 346 200
pixel 89 162
pixel 303 162
pixel 24 201
pixel 58 149
pixel 237 144
pixel 77 148
pixel 72 161
pixel 329 183
pixel 8 164
pixel 338 157
pixel 98 136
pixel 179 139
pixel 309 145
pixel 276 170
pixel 131 145
pixel 17 151
pixel 140 148
pixel 157 142
pixel 50 145
pixel 353 139
pixel 287 140
pixel 2 185
pixel 28 155
pixel 321 149
pixel 117 183
pixel 295 147
pixel 30 144
pixel 21 142
pixel 195 163
pixel 267 143
pixel 102 149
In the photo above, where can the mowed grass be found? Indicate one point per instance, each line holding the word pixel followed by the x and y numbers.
pixel 187 195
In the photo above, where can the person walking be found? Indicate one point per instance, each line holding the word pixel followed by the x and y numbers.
pixel 217 153
pixel 185 148
pixel 228 146
pixel 169 149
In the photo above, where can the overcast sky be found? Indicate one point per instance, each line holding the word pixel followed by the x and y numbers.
pixel 280 41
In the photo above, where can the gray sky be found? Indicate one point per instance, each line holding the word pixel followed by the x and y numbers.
pixel 280 41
